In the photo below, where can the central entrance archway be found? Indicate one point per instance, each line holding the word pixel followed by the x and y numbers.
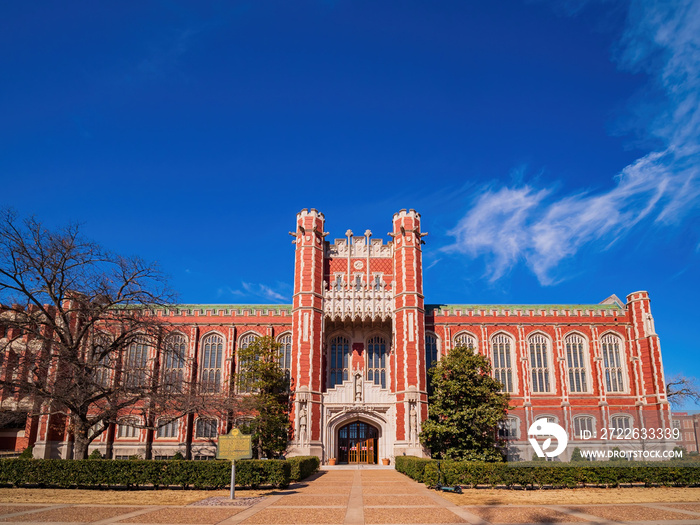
pixel 357 443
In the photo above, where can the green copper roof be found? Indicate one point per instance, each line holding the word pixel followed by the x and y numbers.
pixel 448 308
pixel 233 306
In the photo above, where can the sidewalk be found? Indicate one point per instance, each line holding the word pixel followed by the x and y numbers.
pixel 351 497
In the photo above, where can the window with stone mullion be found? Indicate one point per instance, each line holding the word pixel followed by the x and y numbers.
pixel 212 354
pixel 431 351
pixel 137 365
pixel 376 361
pixel 576 363
pixel 582 423
pixel 339 362
pixel 612 363
pixel 502 366
pixel 174 363
pixel 539 363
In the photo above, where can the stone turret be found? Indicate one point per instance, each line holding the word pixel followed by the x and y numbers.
pixel 409 331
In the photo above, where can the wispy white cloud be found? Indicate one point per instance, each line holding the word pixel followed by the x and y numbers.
pixel 523 223
pixel 278 293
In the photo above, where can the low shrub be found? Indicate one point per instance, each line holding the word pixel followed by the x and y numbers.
pixel 412 466
pixel 536 474
pixel 303 466
pixel 140 473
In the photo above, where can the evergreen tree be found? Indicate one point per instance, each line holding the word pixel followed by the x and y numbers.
pixel 576 455
pixel 269 400
pixel 466 407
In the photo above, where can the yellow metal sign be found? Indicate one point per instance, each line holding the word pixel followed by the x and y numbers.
pixel 234 445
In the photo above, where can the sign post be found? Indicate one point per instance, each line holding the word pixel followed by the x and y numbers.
pixel 234 445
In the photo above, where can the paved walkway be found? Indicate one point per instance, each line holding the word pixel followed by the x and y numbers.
pixel 351 497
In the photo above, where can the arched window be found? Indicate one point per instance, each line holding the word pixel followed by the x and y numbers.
pixel 212 355
pixel 126 428
pixel 620 423
pixel 465 339
pixel 206 428
pixel 611 345
pixel 376 361
pixel 576 363
pixel 168 429
pixel 584 424
pixel 539 363
pixel 431 351
pixel 137 365
pixel 502 361
pixel 508 429
pixel 174 363
pixel 285 354
pixel 339 362
pixel 245 381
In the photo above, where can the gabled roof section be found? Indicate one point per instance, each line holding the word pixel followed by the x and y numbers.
pixel 613 299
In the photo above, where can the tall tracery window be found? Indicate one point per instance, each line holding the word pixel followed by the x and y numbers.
pixel 376 361
pixel 465 339
pixel 174 362
pixel 340 361
pixel 285 354
pixel 502 361
pixel 539 363
pixel 101 361
pixel 212 355
pixel 245 382
pixel 576 363
pixel 137 365
pixel 431 351
pixel 611 345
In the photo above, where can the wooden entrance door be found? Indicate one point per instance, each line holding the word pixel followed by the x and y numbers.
pixel 357 443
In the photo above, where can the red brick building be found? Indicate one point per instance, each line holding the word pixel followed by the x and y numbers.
pixel 358 340
pixel 689 427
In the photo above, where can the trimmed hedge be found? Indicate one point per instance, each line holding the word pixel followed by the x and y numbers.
pixel 412 466
pixel 140 473
pixel 303 466
pixel 552 474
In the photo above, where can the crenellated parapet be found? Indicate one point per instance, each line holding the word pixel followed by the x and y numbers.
pixel 356 246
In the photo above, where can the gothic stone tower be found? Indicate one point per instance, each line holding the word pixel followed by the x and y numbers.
pixel 358 342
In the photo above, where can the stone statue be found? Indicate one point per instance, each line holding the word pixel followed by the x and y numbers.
pixel 358 387
pixel 413 420
pixel 302 424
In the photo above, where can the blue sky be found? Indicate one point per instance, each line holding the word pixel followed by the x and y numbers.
pixel 552 148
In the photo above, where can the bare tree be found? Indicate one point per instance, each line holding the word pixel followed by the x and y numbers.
pixel 681 389
pixel 79 332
